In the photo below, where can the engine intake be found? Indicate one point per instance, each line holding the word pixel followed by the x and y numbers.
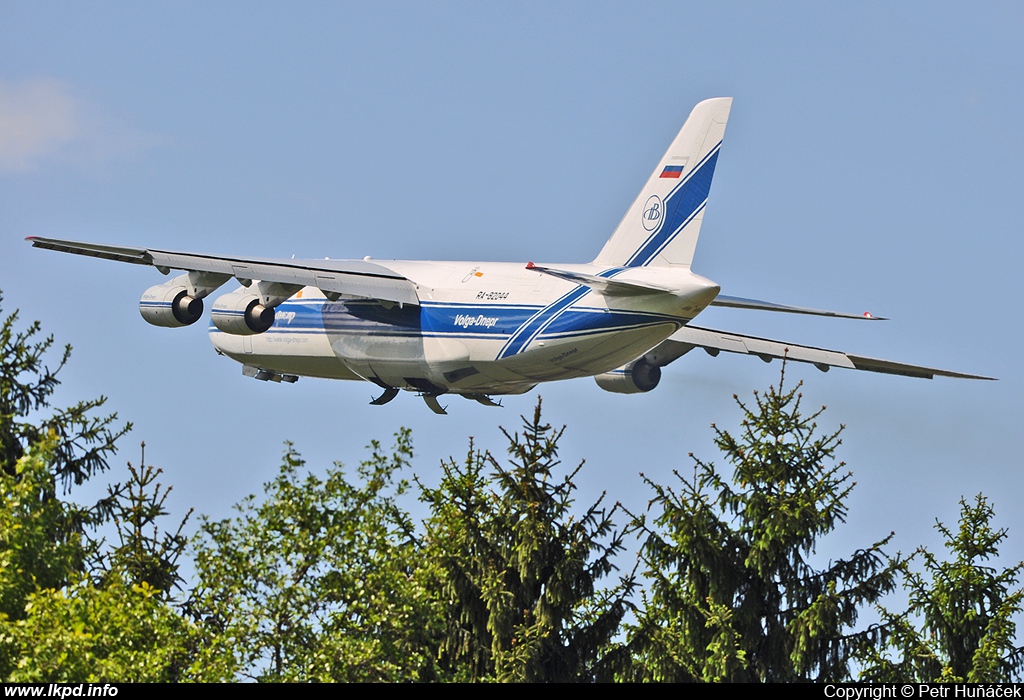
pixel 638 377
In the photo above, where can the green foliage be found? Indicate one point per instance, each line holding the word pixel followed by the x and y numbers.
pixel 120 632
pixel 320 582
pixel 733 594
pixel 959 625
pixel 63 626
pixel 80 441
pixel 40 546
pixel 521 569
pixel 329 579
pixel 42 539
pixel 143 554
pixel 57 623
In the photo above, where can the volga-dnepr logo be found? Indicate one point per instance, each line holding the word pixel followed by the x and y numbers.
pixel 465 320
pixel 653 213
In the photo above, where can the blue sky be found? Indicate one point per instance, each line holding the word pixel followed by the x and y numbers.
pixel 873 161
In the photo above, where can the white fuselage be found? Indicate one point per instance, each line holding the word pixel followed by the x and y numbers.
pixel 480 328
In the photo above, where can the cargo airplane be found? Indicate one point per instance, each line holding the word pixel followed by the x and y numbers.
pixel 479 329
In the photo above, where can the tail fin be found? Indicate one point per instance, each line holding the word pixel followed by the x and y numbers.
pixel 662 225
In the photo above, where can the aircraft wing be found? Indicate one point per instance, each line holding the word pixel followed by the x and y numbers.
pixel 689 337
pixel 333 277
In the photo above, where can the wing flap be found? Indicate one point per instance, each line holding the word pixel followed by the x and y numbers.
pixel 689 337
pixel 342 277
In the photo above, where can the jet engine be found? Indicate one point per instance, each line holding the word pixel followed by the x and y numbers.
pixel 170 305
pixel 250 309
pixel 638 377
pixel 241 312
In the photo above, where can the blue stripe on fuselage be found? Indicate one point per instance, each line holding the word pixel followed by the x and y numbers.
pixel 461 320
pixel 576 321
pixel 536 325
pixel 529 329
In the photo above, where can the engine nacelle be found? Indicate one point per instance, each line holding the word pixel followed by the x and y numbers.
pixel 638 377
pixel 170 305
pixel 241 313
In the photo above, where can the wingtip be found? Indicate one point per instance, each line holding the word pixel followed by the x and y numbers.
pixel 530 266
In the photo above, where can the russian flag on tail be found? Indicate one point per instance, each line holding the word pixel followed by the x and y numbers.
pixel 672 171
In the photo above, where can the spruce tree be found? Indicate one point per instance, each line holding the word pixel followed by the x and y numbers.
pixel 80 441
pixel 734 593
pixel 44 539
pixel 522 567
pixel 960 623
pixel 71 607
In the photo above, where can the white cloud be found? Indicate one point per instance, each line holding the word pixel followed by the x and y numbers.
pixel 37 119
pixel 42 122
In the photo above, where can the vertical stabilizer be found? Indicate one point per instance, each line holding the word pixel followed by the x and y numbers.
pixel 662 225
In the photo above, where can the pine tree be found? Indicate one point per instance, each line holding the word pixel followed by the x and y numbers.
pixel 734 594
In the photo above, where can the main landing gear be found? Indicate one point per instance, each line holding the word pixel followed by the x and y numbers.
pixel 430 398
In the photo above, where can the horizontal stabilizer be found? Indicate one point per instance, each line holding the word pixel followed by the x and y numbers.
pixel 601 284
pixel 354 278
pixel 758 305
pixel 690 337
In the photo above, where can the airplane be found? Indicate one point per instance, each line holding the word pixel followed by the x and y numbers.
pixel 481 330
